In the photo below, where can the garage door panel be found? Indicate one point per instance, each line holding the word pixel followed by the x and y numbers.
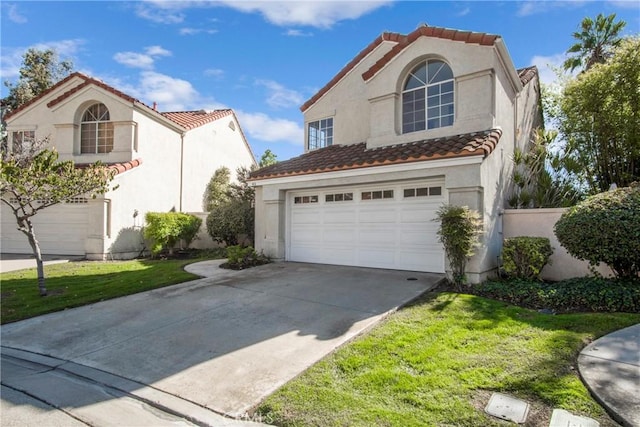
pixel 60 230
pixel 377 215
pixel 340 216
pixel 390 233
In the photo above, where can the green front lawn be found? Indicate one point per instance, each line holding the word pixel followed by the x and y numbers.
pixel 437 362
pixel 79 283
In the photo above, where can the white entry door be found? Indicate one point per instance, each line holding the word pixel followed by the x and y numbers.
pixel 383 226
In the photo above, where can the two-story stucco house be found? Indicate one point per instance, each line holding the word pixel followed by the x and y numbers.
pixel 164 162
pixel 411 123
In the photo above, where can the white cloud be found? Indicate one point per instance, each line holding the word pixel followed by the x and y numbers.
pixel 214 72
pixel 547 66
pixel 170 93
pixel 625 4
pixel 14 15
pixel 157 51
pixel 319 14
pixel 279 96
pixel 134 60
pixel 297 33
pixel 265 128
pixel 188 31
pixel 145 60
pixel 532 7
pixel 464 12
pixel 64 48
pixel 160 12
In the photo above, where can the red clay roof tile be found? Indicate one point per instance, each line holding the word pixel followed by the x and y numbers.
pixel 117 167
pixel 355 156
pixel 194 119
pixel 527 74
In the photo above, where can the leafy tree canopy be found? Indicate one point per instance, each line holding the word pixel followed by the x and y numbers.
pixel 40 70
pixel 598 118
pixel 34 180
pixel 268 158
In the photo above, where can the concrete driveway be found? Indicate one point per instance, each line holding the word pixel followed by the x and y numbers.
pixel 223 342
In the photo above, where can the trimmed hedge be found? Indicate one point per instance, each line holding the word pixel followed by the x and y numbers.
pixel 585 294
pixel 166 229
pixel 524 257
pixel 605 228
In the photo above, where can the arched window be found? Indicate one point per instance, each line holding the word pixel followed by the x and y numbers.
pixel 96 131
pixel 427 97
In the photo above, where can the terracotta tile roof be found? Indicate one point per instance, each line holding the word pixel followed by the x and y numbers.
pixel 355 156
pixel 118 167
pixel 193 119
pixel 402 41
pixel 527 74
pixel 186 119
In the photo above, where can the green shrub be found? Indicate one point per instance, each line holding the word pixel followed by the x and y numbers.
pixel 585 294
pixel 459 232
pixel 229 220
pixel 524 257
pixel 241 257
pixel 605 228
pixel 166 229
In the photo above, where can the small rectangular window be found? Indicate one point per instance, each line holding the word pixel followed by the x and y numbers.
pixel 435 191
pixel 409 192
pixel 305 199
pixel 422 192
pixel 376 195
pixel 22 140
pixel 339 197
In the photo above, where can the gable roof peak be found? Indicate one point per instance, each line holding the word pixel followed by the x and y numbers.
pixel 401 42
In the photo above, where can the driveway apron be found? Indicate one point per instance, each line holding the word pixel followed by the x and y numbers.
pixel 226 341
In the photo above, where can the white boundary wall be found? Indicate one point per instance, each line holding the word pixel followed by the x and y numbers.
pixel 539 223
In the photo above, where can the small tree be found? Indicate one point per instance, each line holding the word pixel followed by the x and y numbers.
pixel 605 228
pixel 217 191
pixel 459 232
pixel 33 180
pixel 230 220
pixel 268 158
pixel 524 257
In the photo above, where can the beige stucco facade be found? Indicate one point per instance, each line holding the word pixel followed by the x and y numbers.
pixel 167 164
pixel 488 94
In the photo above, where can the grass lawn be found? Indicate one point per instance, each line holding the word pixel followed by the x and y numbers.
pixel 437 362
pixel 84 282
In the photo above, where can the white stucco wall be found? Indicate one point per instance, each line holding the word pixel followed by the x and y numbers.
pixel 540 223
pixel 206 149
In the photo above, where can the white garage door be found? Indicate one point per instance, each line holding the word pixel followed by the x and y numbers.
pixel 60 229
pixel 384 226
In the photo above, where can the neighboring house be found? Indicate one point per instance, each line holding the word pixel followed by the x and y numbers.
pixel 412 122
pixel 164 162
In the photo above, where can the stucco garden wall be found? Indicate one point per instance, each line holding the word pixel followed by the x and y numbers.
pixel 539 223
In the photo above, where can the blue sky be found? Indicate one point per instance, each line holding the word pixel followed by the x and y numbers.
pixel 265 58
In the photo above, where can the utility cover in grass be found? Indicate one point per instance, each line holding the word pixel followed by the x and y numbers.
pixel 507 408
pixel 563 418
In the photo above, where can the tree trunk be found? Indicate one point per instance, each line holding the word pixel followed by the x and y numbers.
pixel 35 246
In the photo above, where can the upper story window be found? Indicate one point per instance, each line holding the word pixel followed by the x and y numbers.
pixel 96 131
pixel 22 140
pixel 427 98
pixel 320 133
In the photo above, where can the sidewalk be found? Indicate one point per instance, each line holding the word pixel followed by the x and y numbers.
pixel 610 368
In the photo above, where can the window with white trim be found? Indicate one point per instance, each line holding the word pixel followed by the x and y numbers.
pixel 339 197
pixel 305 199
pixel 427 97
pixel 320 133
pixel 22 139
pixel 96 130
pixel 376 195
pixel 422 192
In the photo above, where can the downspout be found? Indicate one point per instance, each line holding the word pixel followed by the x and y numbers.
pixel 181 169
